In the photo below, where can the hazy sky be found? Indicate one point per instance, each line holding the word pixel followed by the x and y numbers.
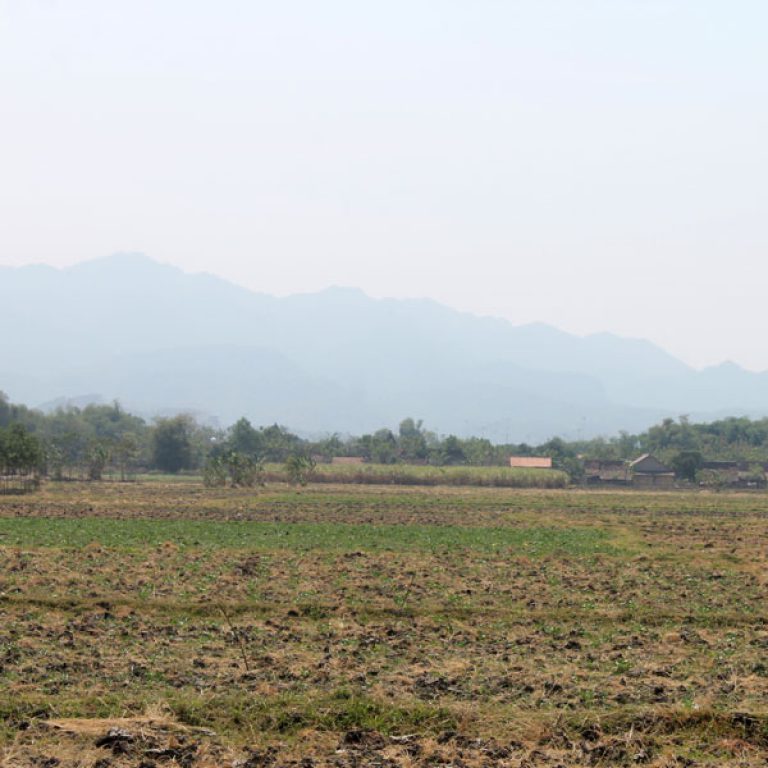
pixel 595 164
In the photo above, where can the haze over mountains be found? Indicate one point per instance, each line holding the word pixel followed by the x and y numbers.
pixel 161 340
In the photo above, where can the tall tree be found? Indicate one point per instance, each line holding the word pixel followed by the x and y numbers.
pixel 245 440
pixel 412 440
pixel 172 444
pixel 20 452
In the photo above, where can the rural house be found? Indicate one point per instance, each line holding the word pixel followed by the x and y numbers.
pixel 648 472
pixel 742 474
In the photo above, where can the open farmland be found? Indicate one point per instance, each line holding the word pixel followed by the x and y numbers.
pixel 162 624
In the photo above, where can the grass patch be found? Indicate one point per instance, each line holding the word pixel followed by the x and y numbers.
pixel 288 714
pixel 137 533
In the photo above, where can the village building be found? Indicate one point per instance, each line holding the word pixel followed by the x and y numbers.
pixel 347 460
pixel 647 471
pixel 606 472
pixel 739 474
pixel 531 462
pixel 725 472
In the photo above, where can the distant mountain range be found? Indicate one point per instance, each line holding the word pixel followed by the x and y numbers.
pixel 161 340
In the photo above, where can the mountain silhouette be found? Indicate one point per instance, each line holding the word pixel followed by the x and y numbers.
pixel 161 340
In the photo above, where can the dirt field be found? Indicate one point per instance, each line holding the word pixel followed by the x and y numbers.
pixel 166 624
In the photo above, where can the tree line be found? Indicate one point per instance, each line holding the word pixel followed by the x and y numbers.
pixel 97 440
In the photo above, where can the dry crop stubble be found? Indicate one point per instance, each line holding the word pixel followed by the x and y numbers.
pixel 350 626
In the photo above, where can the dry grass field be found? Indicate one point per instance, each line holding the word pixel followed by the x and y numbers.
pixel 164 625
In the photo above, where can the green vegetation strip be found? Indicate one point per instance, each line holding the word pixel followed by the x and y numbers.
pixel 133 534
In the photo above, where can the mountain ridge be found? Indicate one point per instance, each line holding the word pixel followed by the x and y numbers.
pixel 156 338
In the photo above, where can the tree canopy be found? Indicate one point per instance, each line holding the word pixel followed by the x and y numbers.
pixel 87 442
